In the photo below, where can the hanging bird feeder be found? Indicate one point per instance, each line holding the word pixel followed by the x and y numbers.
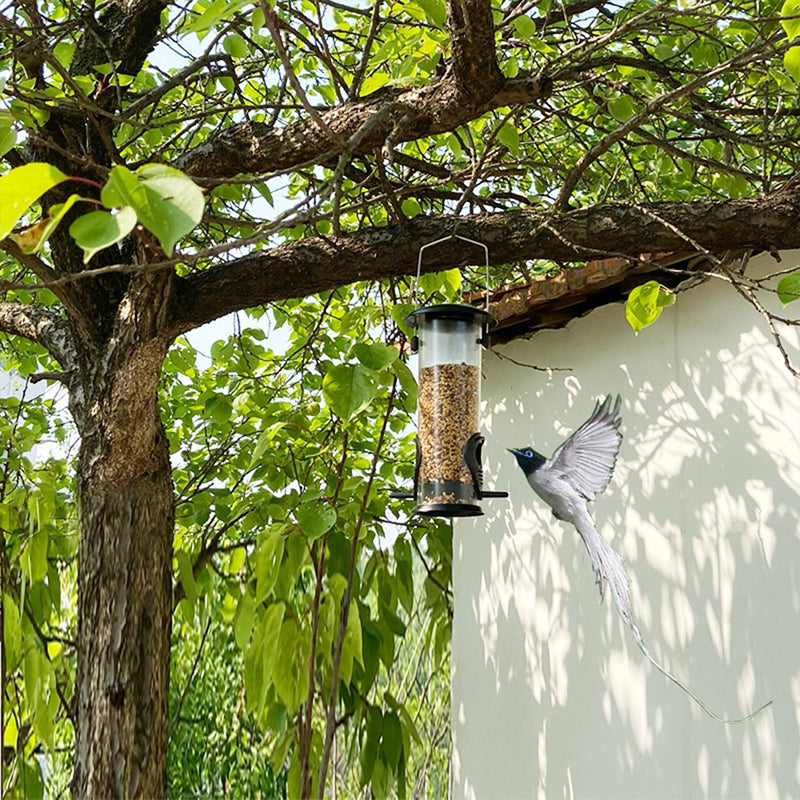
pixel 448 477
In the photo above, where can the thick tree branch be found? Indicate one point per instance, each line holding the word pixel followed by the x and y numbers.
pixel 437 107
pixel 471 86
pixel 474 63
pixel 41 326
pixel 318 264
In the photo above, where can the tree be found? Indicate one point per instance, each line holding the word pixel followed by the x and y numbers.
pixel 557 132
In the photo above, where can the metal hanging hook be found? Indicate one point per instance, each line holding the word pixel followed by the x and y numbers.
pixel 447 239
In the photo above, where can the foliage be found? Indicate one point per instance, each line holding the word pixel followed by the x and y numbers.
pixel 645 304
pixel 268 479
pixel 144 140
pixel 37 559
pixel 286 461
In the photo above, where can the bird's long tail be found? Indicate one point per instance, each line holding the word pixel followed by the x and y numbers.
pixel 608 567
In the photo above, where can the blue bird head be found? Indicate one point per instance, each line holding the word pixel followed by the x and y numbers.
pixel 528 459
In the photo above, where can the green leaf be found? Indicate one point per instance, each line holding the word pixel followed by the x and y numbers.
pixel 408 384
pixel 393 622
pixel 392 740
pixel 791 62
pixel 791 8
pixel 399 313
pixel 34 558
pixel 259 661
pixel 30 782
pixel 435 11
pixel 509 136
pixel 410 207
pixel 374 82
pixel 369 749
pixel 645 303
pixel 186 576
pixel 348 389
pixel 290 673
pixel 621 108
pixel 219 408
pixel 165 200
pixel 8 138
pixel 235 46
pixel 268 562
pixel 100 229
pixel 12 632
pixel 375 356
pixel 789 287
pixel 183 202
pixel 243 621
pixel 213 13
pixel 21 187
pixel 122 189
pixel 524 27
pixel 264 440
pixel 351 645
pixel 315 518
pixel 451 283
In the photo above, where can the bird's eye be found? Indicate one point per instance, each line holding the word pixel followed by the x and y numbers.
pixel 529 453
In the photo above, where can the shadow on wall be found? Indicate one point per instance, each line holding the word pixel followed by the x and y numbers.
pixel 551 696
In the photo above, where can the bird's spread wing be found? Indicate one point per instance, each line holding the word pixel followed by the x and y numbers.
pixel 586 460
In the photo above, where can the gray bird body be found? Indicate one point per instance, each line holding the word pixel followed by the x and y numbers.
pixel 578 471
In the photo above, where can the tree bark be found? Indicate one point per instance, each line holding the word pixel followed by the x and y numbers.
pixel 125 496
pixel 321 263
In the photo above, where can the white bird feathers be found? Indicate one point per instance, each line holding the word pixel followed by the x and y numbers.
pixel 581 468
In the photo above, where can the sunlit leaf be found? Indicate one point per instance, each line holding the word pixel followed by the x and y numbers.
pixel 165 200
pixel 243 621
pixel 348 389
pixel 789 288
pixel 791 62
pixel 235 46
pixel 268 562
pixel 791 8
pixel 509 136
pixel 100 229
pixel 8 138
pixel 435 11
pixel 315 519
pixel 645 303
pixel 21 187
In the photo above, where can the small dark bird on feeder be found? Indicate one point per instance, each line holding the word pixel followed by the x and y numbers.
pixel 581 468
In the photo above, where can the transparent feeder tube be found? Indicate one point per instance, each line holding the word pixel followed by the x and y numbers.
pixel 450 344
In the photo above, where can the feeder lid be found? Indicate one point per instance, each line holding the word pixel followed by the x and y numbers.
pixel 451 311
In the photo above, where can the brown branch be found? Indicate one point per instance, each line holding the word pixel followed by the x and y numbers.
pixel 471 86
pixel 271 23
pixel 752 53
pixel 317 264
pixel 254 147
pixel 41 326
pixel 473 64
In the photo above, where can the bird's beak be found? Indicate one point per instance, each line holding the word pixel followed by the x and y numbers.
pixel 515 452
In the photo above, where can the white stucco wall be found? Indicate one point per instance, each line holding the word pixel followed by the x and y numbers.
pixel 551 696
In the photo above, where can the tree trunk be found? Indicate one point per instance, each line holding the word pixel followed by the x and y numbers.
pixel 125 495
